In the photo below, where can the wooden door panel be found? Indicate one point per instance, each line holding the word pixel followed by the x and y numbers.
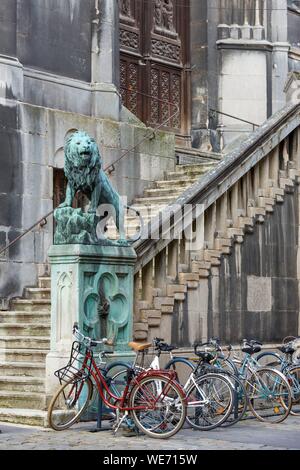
pixel 154 42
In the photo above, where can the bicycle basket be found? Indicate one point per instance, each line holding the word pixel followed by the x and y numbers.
pixel 78 367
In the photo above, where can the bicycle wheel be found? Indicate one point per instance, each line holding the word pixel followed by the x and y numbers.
pixel 293 377
pixel 209 401
pixel 116 377
pixel 240 401
pixel 162 406
pixel 269 359
pixel 269 394
pixel 69 403
pixel 182 367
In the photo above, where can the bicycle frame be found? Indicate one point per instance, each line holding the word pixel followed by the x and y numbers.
pixel 120 402
pixel 249 364
pixel 155 365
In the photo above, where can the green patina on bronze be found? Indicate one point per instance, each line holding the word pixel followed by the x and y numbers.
pixel 83 170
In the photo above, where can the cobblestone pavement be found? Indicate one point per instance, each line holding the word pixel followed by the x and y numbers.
pixel 250 434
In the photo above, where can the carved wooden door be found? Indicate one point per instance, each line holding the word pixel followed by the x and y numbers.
pixel 154 42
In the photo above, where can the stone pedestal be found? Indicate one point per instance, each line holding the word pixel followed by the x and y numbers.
pixel 91 285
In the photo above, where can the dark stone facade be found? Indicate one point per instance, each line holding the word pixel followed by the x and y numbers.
pixel 8 26
pixel 55 36
pixel 269 252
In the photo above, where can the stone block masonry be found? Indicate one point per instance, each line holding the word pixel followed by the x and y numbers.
pixel 32 140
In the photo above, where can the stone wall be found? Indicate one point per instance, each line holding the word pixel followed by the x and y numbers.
pixel 253 34
pixel 55 36
pixel 32 140
pixel 255 291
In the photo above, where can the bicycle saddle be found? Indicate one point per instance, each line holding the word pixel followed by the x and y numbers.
pixel 251 347
pixel 286 349
pixel 139 346
pixel 166 347
pixel 205 356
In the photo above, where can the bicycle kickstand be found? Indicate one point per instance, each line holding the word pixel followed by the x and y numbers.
pixel 119 421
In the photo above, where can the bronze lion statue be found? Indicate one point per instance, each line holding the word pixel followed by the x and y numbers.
pixel 83 170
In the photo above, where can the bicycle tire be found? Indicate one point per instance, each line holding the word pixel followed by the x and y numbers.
pixel 55 406
pixel 187 369
pixel 295 386
pixel 262 392
pixel 169 410
pixel 228 365
pixel 116 376
pixel 240 400
pixel 219 398
pixel 276 360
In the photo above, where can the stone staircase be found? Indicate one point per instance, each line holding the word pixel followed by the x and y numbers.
pixel 163 193
pixel 25 329
pixel 151 315
pixel 24 344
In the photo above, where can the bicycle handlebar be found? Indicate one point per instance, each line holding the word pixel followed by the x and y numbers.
pixel 86 339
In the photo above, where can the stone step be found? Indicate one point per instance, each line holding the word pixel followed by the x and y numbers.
pixel 179 175
pixel 37 293
pixel 114 234
pixel 192 172
pixel 23 416
pixel 178 183
pixel 24 329
pixel 172 191
pixel 29 400
pixel 31 305
pixel 204 167
pixel 23 369
pixel 25 317
pixel 44 282
pixel 23 355
pixel 130 225
pixel 150 211
pixel 22 384
pixel 162 200
pixel 23 342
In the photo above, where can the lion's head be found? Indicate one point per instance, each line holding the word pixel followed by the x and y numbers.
pixel 82 161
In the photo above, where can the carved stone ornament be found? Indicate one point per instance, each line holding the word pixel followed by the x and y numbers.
pixel 164 14
pixel 106 308
pixel 125 7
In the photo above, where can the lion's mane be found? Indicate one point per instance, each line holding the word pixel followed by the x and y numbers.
pixel 82 175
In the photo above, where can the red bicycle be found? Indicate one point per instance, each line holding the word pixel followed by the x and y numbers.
pixel 153 399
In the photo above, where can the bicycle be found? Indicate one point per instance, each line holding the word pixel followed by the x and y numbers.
pixel 286 364
pixel 158 415
pixel 209 395
pixel 269 393
pixel 216 364
pixel 276 359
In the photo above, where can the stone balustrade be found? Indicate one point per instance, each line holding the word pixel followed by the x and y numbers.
pixel 179 291
pixel 242 19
